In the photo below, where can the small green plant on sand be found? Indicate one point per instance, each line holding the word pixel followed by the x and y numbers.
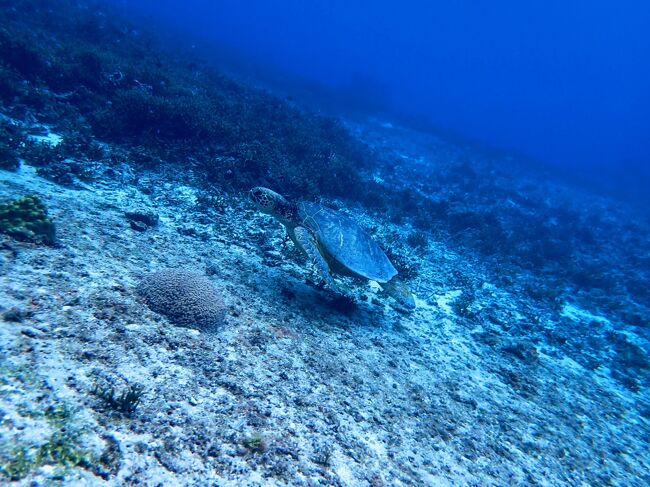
pixel 126 402
pixel 255 443
pixel 61 449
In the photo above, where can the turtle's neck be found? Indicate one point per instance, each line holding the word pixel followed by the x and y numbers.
pixel 287 213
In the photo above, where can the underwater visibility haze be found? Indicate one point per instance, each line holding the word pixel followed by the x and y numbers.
pixel 563 83
pixel 324 243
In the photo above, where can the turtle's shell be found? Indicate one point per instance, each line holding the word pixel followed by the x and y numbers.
pixel 346 242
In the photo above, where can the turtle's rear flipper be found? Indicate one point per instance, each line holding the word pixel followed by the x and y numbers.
pixel 306 240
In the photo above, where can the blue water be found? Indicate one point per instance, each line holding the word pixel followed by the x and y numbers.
pixel 563 83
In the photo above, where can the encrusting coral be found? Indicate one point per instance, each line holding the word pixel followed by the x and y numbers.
pixel 26 219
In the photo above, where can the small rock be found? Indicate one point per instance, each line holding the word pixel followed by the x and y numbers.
pixel 37 130
pixel 31 333
pixel 211 269
pixel 138 226
pixel 523 350
pixel 13 315
pixel 149 219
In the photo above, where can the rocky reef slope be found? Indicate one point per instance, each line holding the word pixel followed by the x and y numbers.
pixel 481 384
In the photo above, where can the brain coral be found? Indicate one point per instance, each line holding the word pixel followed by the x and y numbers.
pixel 185 297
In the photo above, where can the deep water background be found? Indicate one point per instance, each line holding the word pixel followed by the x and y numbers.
pixel 563 83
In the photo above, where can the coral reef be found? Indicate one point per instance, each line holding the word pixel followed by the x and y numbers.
pixel 494 376
pixel 185 297
pixel 26 219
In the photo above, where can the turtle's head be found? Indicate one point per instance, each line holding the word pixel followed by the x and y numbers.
pixel 268 201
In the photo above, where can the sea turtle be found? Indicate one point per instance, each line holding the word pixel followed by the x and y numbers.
pixel 334 243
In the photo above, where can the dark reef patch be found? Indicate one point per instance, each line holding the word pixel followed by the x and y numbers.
pixel 112 85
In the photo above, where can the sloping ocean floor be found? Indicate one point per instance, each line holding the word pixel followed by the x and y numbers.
pixel 483 384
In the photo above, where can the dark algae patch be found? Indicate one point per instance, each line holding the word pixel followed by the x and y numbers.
pixel 104 80
pixel 124 402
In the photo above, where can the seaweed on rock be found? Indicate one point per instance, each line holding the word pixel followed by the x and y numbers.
pixel 63 447
pixel 125 402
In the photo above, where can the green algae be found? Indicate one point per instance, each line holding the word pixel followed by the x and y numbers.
pixel 60 448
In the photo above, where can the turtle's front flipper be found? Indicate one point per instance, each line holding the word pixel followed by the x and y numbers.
pixel 397 289
pixel 306 240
